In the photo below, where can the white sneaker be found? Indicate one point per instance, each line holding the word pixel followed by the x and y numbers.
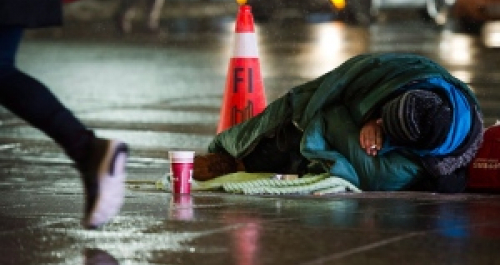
pixel 104 177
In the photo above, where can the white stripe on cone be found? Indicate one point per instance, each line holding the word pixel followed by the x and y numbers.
pixel 245 46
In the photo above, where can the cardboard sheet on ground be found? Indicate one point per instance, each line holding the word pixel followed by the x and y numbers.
pixel 265 183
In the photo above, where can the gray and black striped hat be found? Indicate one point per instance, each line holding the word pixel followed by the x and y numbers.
pixel 417 118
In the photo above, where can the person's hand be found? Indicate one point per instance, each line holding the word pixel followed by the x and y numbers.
pixel 371 137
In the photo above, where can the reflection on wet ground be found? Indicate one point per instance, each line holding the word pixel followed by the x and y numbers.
pixel 156 228
pixel 163 92
pixel 98 257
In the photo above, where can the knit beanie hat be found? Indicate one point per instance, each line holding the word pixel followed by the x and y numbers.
pixel 418 119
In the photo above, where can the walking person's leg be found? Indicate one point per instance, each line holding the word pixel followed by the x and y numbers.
pixel 125 15
pixel 101 162
pixel 154 14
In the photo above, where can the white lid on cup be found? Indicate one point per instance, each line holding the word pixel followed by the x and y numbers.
pixel 181 156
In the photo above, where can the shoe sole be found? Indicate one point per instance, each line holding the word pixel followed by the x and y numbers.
pixel 111 185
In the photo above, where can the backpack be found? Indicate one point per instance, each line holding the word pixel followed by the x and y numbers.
pixel 484 170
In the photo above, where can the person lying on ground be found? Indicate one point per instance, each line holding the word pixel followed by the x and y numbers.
pixel 382 121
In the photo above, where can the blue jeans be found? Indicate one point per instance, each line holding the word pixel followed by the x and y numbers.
pixel 32 101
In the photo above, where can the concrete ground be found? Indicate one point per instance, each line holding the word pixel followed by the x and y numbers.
pixel 40 225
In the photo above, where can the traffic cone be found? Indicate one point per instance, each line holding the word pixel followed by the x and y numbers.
pixel 244 95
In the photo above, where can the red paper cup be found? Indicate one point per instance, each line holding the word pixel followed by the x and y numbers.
pixel 181 171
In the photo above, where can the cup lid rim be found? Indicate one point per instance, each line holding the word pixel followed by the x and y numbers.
pixel 181 154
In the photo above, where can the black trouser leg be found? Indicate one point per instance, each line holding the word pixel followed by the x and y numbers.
pixel 278 154
pixel 33 102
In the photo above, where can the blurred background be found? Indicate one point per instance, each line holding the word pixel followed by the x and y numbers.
pixel 153 71
pixel 476 17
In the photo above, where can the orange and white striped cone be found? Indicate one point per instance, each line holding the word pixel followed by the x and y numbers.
pixel 244 95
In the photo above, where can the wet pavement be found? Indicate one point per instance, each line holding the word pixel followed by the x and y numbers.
pixel 163 91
